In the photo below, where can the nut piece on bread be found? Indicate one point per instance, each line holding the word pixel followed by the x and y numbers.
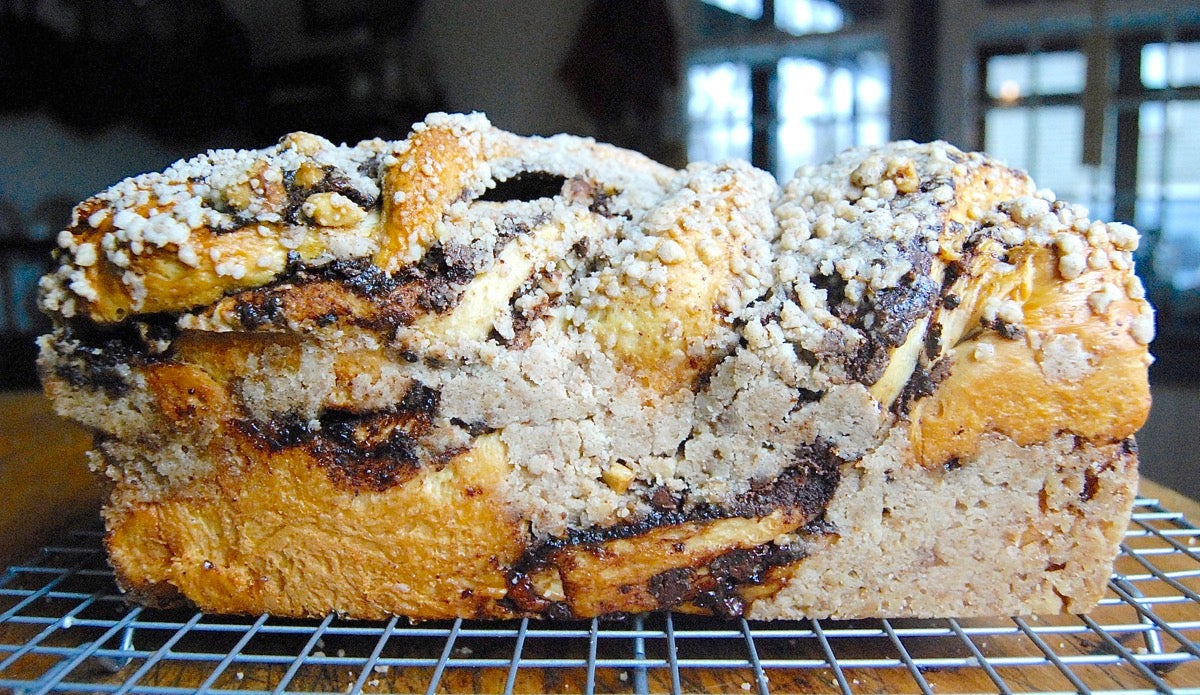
pixel 474 374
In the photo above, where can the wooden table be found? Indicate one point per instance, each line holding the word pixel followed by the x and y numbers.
pixel 46 487
pixel 43 476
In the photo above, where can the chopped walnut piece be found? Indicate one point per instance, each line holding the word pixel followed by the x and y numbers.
pixel 618 477
pixel 331 209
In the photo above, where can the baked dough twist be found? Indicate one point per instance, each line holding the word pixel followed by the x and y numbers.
pixel 482 375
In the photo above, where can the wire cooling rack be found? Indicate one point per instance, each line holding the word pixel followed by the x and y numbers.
pixel 64 628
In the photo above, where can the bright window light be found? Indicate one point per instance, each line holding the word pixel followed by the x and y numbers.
pixel 718 111
pixel 1170 65
pixel 1057 72
pixel 750 9
pixel 801 17
pixel 825 107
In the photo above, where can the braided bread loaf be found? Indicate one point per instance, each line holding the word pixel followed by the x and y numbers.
pixel 482 375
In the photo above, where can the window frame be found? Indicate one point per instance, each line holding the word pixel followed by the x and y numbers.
pixel 762 57
pixel 1178 309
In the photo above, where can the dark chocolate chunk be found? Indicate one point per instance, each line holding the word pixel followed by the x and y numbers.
pixel 933 341
pixel 672 587
pixel 372 168
pixel 333 180
pixel 899 308
pixel 662 500
pixel 280 432
pixel 525 186
pixel 923 382
pixel 510 228
pixel 360 275
pixel 804 395
pixel 97 356
pixel 868 361
pixel 474 429
pixel 256 309
pixel 1006 329
pixel 421 400
pixel 820 527
pixel 1091 485
pixel 803 490
pixel 738 568
pixel 364 451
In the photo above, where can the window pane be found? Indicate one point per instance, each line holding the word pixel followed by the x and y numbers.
pixel 1061 73
pixel 751 9
pixel 23 294
pixel 803 111
pixel 824 108
pixel 715 142
pixel 719 112
pixel 1154 65
pixel 812 99
pixel 872 131
pixel 801 17
pixel 802 84
pixel 1181 173
pixel 1006 135
pixel 1171 65
pixel 874 86
pixel 1010 77
pixel 841 93
pixel 1170 189
pixel 1058 150
pixel 719 92
pixel 1150 150
pixel 1047 142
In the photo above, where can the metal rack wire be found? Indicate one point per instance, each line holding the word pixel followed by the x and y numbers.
pixel 64 628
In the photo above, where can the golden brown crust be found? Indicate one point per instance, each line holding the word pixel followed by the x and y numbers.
pixel 438 165
pixel 177 259
pixel 1023 395
pixel 473 374
pixel 230 221
pixel 241 551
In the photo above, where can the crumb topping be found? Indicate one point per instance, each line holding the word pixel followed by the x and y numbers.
pixel 164 223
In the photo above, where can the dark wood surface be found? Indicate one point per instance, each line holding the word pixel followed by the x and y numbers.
pixel 43 477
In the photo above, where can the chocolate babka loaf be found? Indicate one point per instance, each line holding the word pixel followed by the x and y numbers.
pixel 482 375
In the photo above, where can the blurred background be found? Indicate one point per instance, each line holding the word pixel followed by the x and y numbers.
pixel 1098 99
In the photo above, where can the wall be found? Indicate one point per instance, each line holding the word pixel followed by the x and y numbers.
pixel 502 58
pixel 40 159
